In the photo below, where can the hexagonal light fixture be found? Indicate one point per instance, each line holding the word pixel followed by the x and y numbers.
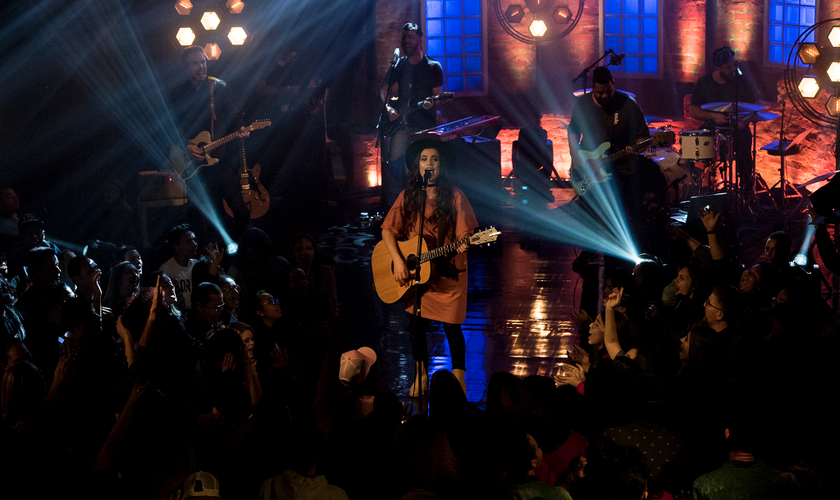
pixel 235 6
pixel 834 36
pixel 514 14
pixel 185 36
pixel 834 71
pixel 210 21
pixel 184 7
pixel 237 35
pixel 808 53
pixel 212 51
pixel 808 87
pixel 562 15
pixel 538 27
pixel 833 106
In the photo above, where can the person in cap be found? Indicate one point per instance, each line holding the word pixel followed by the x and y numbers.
pixel 448 217
pixel 201 485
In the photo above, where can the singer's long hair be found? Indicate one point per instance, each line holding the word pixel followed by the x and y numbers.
pixel 444 213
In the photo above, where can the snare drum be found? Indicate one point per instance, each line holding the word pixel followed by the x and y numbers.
pixel 669 163
pixel 698 145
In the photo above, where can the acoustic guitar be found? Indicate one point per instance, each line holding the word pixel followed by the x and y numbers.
pixel 254 194
pixel 595 162
pixel 183 165
pixel 383 267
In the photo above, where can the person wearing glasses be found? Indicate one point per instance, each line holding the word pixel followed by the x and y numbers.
pixel 230 294
pixel 205 318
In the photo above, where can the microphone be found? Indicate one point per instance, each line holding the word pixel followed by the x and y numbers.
pixel 427 176
pixel 615 59
pixel 396 56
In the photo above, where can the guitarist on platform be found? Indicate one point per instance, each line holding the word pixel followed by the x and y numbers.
pixel 414 78
pixel 448 217
pixel 202 103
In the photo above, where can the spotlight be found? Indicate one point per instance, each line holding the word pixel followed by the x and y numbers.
pixel 514 14
pixel 184 7
pixel 808 53
pixel 212 51
pixel 833 106
pixel 235 6
pixel 834 71
pixel 210 21
pixel 237 35
pixel 801 259
pixel 185 36
pixel 232 248
pixel 538 27
pixel 834 36
pixel 809 87
pixel 562 15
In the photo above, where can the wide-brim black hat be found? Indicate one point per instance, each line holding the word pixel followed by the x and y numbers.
pixel 415 148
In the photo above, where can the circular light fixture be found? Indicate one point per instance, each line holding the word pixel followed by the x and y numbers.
pixel 833 106
pixel 834 71
pixel 808 87
pixel 185 36
pixel 538 28
pixel 210 21
pixel 237 35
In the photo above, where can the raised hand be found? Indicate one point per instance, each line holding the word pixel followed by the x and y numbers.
pixel 614 299
pixel 575 378
pixel 709 218
pixel 581 357
pixel 228 364
pixel 580 317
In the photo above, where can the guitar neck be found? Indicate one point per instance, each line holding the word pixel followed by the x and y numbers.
pixel 441 251
pixel 215 144
pixel 621 154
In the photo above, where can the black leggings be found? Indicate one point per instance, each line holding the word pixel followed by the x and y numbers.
pixel 457 344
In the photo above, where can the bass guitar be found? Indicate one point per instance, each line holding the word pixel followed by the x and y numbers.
pixel 254 194
pixel 183 165
pixel 388 128
pixel 383 267
pixel 593 169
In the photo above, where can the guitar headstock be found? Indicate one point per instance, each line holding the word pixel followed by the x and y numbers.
pixel 489 235
pixel 444 96
pixel 258 124
pixel 666 137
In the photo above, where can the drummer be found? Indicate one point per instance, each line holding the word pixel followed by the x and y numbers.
pixel 726 85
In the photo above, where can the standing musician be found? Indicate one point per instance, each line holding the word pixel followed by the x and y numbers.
pixel 726 84
pixel 607 115
pixel 448 218
pixel 415 78
pixel 202 103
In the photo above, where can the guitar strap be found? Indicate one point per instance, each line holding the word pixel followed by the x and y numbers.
pixel 212 110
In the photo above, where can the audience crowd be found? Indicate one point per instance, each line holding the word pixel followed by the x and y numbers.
pixel 207 375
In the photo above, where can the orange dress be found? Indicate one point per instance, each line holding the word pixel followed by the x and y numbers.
pixel 445 295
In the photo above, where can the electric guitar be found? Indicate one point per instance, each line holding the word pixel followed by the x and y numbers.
pixel 254 194
pixel 183 165
pixel 383 267
pixel 592 171
pixel 388 128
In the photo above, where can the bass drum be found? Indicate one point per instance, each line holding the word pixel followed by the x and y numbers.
pixel 677 174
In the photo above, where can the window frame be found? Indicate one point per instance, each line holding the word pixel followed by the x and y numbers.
pixel 659 43
pixel 766 55
pixel 484 58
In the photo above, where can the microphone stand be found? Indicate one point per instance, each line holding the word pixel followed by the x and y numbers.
pixel 415 314
pixel 585 73
pixel 391 81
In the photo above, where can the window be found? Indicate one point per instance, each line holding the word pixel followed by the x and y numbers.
pixel 787 19
pixel 454 38
pixel 631 27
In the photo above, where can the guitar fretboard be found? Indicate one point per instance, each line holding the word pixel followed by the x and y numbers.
pixel 441 251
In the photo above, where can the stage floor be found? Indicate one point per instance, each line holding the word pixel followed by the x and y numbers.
pixel 521 295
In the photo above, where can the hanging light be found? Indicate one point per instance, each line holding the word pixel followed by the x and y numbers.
pixel 834 36
pixel 833 106
pixel 210 21
pixel 514 14
pixel 562 15
pixel 808 53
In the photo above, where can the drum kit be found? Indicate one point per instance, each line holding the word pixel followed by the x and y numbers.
pixel 689 171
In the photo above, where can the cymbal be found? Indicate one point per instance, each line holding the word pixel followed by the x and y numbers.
pixel 580 92
pixel 729 107
pixel 654 119
pixel 757 116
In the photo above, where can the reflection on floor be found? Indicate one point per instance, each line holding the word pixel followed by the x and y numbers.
pixel 521 295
